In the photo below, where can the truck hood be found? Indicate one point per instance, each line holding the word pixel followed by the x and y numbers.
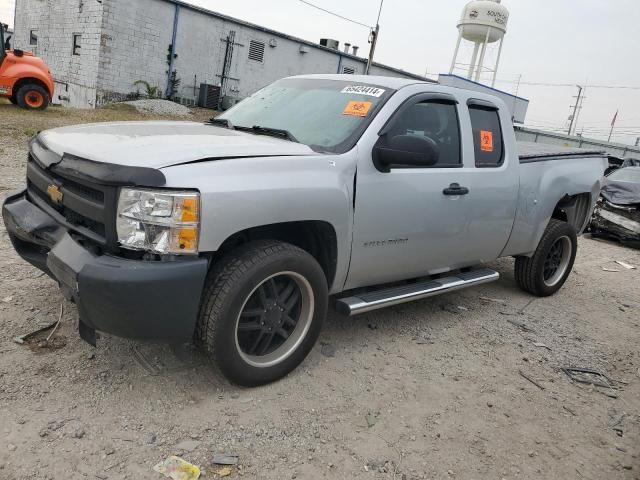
pixel 163 144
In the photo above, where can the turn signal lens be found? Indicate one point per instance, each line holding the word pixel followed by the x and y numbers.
pixel 185 240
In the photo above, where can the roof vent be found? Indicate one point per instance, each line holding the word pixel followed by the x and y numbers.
pixel 355 50
pixel 347 47
pixel 330 43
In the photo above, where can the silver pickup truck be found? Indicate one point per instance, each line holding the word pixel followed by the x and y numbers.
pixel 236 233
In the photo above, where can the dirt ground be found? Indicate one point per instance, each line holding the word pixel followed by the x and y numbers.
pixel 434 389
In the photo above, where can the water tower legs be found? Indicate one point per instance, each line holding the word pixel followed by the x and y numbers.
pixel 495 69
pixel 455 54
pixel 482 53
pixel 472 65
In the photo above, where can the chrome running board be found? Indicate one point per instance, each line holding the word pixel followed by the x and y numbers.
pixel 373 300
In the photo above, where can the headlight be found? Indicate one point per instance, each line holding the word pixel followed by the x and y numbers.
pixel 158 221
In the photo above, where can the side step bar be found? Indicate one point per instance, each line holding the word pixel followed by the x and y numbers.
pixel 365 302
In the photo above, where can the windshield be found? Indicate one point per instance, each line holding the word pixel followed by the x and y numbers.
pixel 628 174
pixel 327 115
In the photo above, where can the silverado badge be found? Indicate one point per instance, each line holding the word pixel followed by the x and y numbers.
pixel 54 194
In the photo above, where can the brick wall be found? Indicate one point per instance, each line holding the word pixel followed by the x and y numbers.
pixel 55 22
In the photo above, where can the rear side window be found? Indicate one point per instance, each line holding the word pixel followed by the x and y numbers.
pixel 487 136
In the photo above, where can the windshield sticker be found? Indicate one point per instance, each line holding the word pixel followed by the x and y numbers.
pixel 357 109
pixel 364 90
pixel 486 141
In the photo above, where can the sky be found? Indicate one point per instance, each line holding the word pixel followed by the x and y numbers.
pixel 568 42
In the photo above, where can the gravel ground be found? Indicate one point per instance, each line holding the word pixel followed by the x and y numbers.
pixel 160 107
pixel 433 389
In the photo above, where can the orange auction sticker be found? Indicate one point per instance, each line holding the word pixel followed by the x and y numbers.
pixel 486 141
pixel 357 108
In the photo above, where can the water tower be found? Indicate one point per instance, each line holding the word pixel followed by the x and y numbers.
pixel 483 23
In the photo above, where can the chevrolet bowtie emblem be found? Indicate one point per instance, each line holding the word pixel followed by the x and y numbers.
pixel 54 194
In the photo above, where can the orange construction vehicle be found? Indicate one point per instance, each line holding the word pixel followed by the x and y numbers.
pixel 24 78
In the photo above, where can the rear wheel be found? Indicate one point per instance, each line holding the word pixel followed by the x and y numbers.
pixel 262 311
pixel 33 97
pixel 545 272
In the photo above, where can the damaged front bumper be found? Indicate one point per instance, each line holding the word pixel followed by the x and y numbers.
pixel 127 298
pixel 617 221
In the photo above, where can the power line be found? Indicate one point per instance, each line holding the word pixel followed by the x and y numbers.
pixel 336 14
pixel 548 84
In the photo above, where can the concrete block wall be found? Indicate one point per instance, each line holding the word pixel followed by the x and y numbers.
pixel 124 41
pixel 201 47
pixel 55 22
pixel 134 40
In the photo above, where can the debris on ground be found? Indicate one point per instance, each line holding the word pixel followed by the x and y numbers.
pixel 494 300
pixel 612 270
pixel 541 345
pixel 526 377
pixel 519 324
pixel 625 265
pixel 589 376
pixel 372 418
pixel 187 445
pixel 225 459
pixel 223 472
pixel 160 107
pixel 327 350
pixel 27 336
pixel 424 339
pixel 177 469
pixel 615 421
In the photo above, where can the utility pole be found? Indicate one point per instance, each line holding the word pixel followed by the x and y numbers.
pixel 613 124
pixel 575 110
pixel 373 40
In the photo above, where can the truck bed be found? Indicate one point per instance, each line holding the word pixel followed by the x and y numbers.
pixel 538 152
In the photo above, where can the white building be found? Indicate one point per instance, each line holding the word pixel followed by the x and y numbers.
pixel 98 49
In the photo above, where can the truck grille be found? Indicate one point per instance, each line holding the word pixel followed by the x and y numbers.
pixel 85 208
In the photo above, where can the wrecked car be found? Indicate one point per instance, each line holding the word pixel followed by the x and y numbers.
pixel 617 213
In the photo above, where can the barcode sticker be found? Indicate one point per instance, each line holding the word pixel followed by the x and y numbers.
pixel 364 90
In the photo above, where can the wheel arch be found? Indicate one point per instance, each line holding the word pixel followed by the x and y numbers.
pixel 575 210
pixel 27 80
pixel 318 238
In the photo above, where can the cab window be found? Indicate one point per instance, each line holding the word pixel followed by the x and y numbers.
pixel 487 136
pixel 437 121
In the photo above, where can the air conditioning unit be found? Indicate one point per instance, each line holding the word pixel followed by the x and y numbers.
pixel 209 96
pixel 330 43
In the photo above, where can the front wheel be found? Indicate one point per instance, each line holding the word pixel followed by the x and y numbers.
pixel 262 311
pixel 33 97
pixel 545 272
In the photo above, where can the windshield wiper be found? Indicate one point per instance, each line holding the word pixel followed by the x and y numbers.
pixel 222 121
pixel 274 132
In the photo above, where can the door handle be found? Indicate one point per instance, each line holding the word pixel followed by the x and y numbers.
pixel 455 189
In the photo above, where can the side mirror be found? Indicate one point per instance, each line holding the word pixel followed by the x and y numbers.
pixel 405 151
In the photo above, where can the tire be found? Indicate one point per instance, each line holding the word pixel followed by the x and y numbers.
pixel 13 99
pixel 32 97
pixel 557 247
pixel 238 309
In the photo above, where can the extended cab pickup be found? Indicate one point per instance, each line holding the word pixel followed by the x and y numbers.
pixel 370 191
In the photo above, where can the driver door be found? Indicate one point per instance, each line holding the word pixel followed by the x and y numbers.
pixel 404 225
